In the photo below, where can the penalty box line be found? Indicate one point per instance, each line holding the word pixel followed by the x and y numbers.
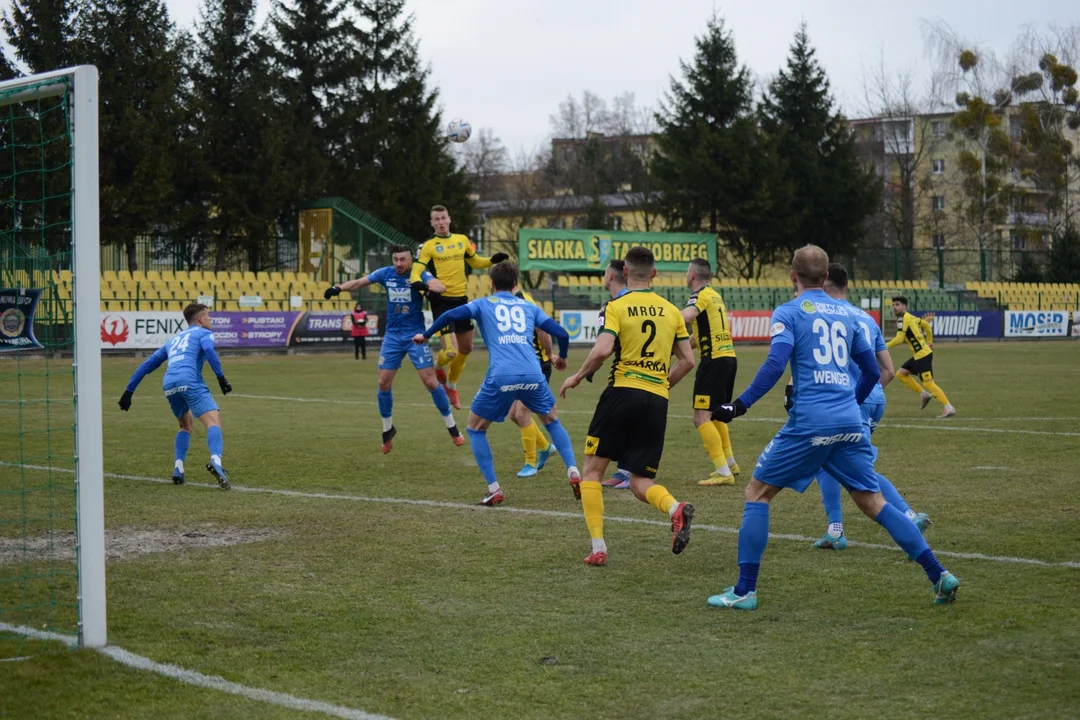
pixel 562 514
pixel 945 425
pixel 191 677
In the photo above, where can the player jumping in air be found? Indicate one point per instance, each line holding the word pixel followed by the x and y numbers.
pixel 820 337
pixel 715 379
pixel 188 396
pixel 446 255
pixel 404 318
pixel 631 416
pixel 873 408
pixel 919 336
pixel 507 324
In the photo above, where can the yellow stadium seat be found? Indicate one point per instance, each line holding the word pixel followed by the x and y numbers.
pixel 249 276
pixel 109 275
pixel 563 281
pixel 123 275
pixel 276 277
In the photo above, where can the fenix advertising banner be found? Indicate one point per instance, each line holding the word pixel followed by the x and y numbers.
pixel 966 324
pixel 147 330
pixel 1036 323
pixel 580 250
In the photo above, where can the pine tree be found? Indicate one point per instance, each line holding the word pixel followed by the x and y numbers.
pixel 397 164
pixel 717 173
pixel 835 193
pixel 139 60
pixel 234 126
pixel 42 33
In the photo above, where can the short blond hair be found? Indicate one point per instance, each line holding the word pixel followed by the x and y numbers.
pixel 811 265
pixel 439 208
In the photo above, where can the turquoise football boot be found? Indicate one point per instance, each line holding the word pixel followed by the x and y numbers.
pixel 728 599
pixel 831 542
pixel 945 588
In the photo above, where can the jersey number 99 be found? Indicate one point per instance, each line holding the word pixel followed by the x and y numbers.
pixel 510 316
pixel 832 343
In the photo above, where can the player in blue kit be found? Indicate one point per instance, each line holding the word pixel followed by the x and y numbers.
pixel 836 284
pixel 507 323
pixel 185 390
pixel 404 318
pixel 825 430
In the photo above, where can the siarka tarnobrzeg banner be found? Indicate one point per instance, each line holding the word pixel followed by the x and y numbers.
pixel 17 319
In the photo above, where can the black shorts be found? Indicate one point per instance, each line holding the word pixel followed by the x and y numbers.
pixel 629 426
pixel 714 383
pixel 441 304
pixel 923 368
pixel 545 367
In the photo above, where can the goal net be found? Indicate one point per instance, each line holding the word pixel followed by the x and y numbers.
pixel 52 549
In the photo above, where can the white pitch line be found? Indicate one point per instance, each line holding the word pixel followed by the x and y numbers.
pixel 557 514
pixel 190 677
pixel 944 425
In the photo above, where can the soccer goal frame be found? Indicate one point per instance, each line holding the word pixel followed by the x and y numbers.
pixel 82 84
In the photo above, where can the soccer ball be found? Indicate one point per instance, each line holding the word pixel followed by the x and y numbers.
pixel 458 130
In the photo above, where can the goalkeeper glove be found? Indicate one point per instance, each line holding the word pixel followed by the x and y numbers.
pixel 498 258
pixel 788 402
pixel 728 412
pixel 332 291
pixel 125 400
pixel 225 385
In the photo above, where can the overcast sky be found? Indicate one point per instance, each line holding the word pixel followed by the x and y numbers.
pixel 506 64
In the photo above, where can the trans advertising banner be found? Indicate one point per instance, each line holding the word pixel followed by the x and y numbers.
pixel 948 324
pixel 1036 323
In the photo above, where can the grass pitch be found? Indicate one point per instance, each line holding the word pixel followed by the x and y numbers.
pixel 352 596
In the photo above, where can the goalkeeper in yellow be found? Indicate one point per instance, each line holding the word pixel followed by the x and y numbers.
pixel 919 336
pixel 445 256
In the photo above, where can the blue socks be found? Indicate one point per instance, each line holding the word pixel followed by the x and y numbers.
pixel 930 565
pixel 214 441
pixel 891 496
pixel 561 440
pixel 831 494
pixel 386 403
pixel 481 450
pixel 438 396
pixel 183 441
pixel 753 537
pixel 905 533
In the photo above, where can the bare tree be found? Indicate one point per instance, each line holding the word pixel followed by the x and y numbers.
pixel 484 159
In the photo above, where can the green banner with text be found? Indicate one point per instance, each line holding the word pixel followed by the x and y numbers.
pixel 584 250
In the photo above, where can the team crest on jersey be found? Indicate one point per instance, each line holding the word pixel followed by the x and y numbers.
pixel 808 306
pixel 438 248
pixel 493 299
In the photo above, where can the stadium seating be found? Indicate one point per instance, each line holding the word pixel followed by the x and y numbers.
pixel 1029 296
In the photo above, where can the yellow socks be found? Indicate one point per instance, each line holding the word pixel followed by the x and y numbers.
pixel 934 389
pixel 457 366
pixel 542 443
pixel 725 437
pixel 714 444
pixel 528 443
pixel 909 382
pixel 445 357
pixel 592 504
pixel 657 496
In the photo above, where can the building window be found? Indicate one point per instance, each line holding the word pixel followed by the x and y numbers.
pixel 555 223
pixel 581 222
pixel 938 203
pixel 937 128
pixel 615 222
pixel 938 241
pixel 1018 240
pixel 937 166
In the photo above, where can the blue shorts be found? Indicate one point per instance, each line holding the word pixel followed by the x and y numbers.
pixel 795 456
pixel 396 347
pixel 196 398
pixel 498 393
pixel 872 413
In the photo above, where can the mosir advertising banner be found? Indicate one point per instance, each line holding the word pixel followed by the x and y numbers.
pixel 1036 323
pixel 967 324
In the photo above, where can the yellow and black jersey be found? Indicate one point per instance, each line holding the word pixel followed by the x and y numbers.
pixel 711 327
pixel 916 332
pixel 646 328
pixel 541 353
pixel 445 258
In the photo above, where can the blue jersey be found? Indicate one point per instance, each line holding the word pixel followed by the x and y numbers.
pixel 186 354
pixel 870 329
pixel 823 334
pixel 507 324
pixel 405 306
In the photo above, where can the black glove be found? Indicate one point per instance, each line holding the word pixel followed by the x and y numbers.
pixel 728 412
pixel 332 291
pixel 498 258
pixel 225 385
pixel 788 402
pixel 419 286
pixel 125 400
pixel 589 376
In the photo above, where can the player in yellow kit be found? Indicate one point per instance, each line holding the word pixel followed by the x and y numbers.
pixel 536 446
pixel 715 380
pixel 919 336
pixel 445 256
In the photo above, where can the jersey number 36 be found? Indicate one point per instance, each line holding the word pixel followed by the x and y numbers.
pixel 832 343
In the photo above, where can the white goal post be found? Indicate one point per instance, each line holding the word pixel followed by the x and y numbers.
pixel 81 83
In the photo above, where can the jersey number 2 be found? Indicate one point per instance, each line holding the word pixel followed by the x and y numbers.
pixel 650 327
pixel 832 343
